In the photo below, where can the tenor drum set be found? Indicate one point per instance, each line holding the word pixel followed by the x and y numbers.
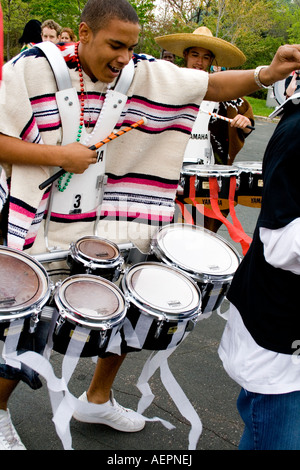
pixel 115 298
pixel 144 305
pixel 149 305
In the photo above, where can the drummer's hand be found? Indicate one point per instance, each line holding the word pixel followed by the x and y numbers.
pixel 241 122
pixel 285 61
pixel 76 157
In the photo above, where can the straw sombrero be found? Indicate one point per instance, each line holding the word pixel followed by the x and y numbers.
pixel 226 54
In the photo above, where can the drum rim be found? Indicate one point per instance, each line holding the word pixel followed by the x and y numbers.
pixel 203 170
pixel 79 255
pixel 18 312
pixel 79 319
pixel 150 309
pixel 254 167
pixel 197 276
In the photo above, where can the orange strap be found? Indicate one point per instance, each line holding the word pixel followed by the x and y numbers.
pixel 186 216
pixel 235 230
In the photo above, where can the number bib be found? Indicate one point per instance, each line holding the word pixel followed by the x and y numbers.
pixel 84 191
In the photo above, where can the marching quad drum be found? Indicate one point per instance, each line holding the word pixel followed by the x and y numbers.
pixel 91 310
pixel 24 291
pixel 199 176
pixel 95 255
pixel 164 304
pixel 201 254
pixel 250 183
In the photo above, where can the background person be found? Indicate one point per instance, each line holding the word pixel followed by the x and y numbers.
pixel 201 51
pixel 32 34
pixel 167 55
pixel 67 35
pixel 260 343
pixel 51 31
pixel 292 84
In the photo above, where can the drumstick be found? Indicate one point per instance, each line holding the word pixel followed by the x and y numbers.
pixel 108 139
pixel 224 118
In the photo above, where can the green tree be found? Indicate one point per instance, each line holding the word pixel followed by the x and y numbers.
pixel 145 10
pixel 16 13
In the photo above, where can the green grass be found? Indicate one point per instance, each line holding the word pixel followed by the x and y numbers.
pixel 259 107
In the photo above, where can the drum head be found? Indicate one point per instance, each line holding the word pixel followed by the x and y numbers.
pixel 162 290
pixel 210 170
pixel 198 251
pixel 23 282
pixel 90 300
pixel 97 249
pixel 250 167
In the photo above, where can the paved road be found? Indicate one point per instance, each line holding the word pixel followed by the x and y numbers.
pixel 194 364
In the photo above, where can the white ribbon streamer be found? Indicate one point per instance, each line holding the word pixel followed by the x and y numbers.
pixel 160 360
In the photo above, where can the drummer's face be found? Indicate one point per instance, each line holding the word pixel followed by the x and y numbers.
pixel 104 54
pixel 198 58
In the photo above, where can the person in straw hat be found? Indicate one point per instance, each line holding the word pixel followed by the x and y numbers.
pixel 212 140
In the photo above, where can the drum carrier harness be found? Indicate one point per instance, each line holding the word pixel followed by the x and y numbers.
pixel 69 110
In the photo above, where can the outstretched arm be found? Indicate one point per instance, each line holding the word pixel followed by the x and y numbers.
pixel 232 84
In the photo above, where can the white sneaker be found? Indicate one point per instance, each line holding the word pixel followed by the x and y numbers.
pixel 112 414
pixel 9 439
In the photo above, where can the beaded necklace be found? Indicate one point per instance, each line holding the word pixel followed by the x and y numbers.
pixel 81 119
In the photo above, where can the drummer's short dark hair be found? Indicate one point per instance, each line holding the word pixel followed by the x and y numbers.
pixel 97 13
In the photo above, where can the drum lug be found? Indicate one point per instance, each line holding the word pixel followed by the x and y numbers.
pixel 59 323
pixel 52 289
pixel 197 181
pixel 73 250
pixel 89 269
pixel 34 319
pixel 159 328
pixel 117 274
pixel 220 183
pixel 180 187
pixel 191 325
pixel 103 338
pixel 251 179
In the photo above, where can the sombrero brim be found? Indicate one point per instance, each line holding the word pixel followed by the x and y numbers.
pixel 226 54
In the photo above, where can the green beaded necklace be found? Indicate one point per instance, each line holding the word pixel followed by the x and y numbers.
pixel 81 121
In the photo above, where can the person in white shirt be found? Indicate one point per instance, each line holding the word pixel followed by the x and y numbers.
pixel 260 347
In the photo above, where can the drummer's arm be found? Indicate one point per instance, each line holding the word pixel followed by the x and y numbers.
pixel 74 158
pixel 230 84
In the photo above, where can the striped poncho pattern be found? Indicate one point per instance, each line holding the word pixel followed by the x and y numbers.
pixel 143 167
